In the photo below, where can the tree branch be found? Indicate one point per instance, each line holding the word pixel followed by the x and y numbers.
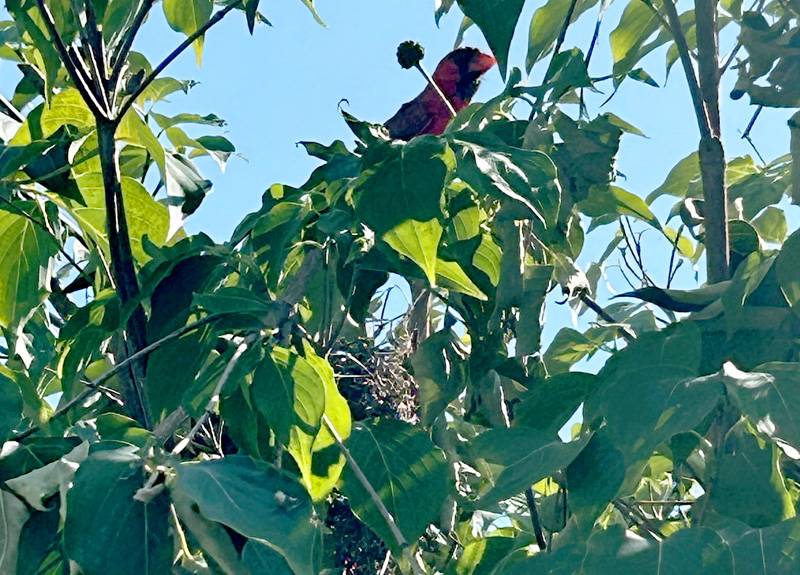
pixel 10 110
pixel 174 54
pixel 121 55
pixel 535 521
pixel 69 64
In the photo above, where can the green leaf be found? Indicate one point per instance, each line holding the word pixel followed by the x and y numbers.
pixel 526 455
pixel 771 225
pixel 637 23
pixel 310 5
pixel 546 25
pixel 313 393
pixel 440 372
pixel 451 276
pixel 66 108
pixel 127 527
pixel 419 242
pixel 680 177
pixel 261 558
pixel 774 550
pixel 497 19
pixel 406 470
pixel 13 515
pixel 748 485
pixel 406 185
pixel 188 16
pixel 41 483
pixel 768 397
pixel 146 217
pixel 257 501
pixel 25 252
pixel 550 403
pixel 615 200
pixel 10 406
pixel 789 271
pixel 251 10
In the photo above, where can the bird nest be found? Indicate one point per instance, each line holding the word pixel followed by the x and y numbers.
pixel 374 380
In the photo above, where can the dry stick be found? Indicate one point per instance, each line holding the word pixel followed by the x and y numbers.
pixel 174 54
pixel 71 66
pixel 114 370
pixel 213 402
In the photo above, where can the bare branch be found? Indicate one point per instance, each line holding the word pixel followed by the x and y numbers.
pixel 121 55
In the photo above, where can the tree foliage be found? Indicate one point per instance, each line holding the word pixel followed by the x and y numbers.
pixel 173 404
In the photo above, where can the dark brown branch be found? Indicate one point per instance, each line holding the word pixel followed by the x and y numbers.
pixel 535 520
pixel 174 54
pixel 124 272
pixel 708 60
pixel 71 66
pixel 10 110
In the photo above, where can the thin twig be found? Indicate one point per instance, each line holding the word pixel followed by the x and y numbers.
pixel 437 89
pixel 10 110
pixel 213 402
pixel 174 54
pixel 670 272
pixel 71 66
pixel 603 314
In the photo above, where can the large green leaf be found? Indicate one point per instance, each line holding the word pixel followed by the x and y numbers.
pixel 789 271
pixel 25 251
pixel 146 217
pixel 305 389
pixel 527 456
pixel 406 470
pixel 187 16
pixel 768 397
pixel 13 515
pixel 549 404
pixel 497 19
pixel 440 372
pixel 10 406
pixel 406 185
pixel 637 23
pixel 614 200
pixel 747 484
pixel 680 177
pixel 773 550
pixel 65 108
pixel 101 529
pixel 419 242
pixel 546 25
pixel 258 501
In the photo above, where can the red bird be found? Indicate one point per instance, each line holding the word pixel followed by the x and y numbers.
pixel 458 76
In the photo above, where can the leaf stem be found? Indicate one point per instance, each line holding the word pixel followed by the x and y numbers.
pixel 535 520
pixel 437 89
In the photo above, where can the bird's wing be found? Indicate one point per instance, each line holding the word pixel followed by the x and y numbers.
pixel 411 120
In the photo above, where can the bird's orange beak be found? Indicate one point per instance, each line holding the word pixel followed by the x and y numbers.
pixel 482 63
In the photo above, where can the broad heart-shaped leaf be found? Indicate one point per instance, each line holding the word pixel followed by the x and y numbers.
pixel 771 225
pixel 13 515
pixel 619 552
pixel 451 275
pixel 65 108
pixel 405 185
pixel 257 501
pixel 497 19
pixel 25 251
pixel 145 215
pixel 440 372
pixel 105 522
pixel 747 485
pixel 304 388
pixel 406 470
pixel 261 558
pixel 419 242
pixel 187 16
pixel 527 456
pixel 769 397
pixel 546 25
pixel 789 271
pixel 614 200
pixel 648 392
pixel 636 25
pixel 549 404
pixel 773 550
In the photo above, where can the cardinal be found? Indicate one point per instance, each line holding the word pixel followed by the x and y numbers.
pixel 458 76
